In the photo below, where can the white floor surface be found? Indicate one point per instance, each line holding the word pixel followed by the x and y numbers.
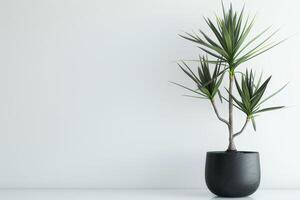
pixel 81 194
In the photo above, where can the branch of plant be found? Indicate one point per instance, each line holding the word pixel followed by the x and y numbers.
pixel 242 129
pixel 217 113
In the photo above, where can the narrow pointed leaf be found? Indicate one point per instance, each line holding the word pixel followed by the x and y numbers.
pixel 270 109
pixel 253 123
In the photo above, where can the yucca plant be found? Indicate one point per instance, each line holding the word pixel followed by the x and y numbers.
pixel 229 47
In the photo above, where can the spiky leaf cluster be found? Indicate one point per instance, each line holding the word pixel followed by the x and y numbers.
pixel 231 33
pixel 251 94
pixel 207 82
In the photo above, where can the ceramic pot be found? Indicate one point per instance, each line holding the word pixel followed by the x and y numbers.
pixel 232 173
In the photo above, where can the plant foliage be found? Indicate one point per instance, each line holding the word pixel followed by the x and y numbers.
pixel 231 33
pixel 207 82
pixel 251 94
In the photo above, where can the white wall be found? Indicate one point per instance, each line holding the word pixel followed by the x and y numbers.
pixel 85 99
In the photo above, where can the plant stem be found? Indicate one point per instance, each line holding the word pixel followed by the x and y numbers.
pixel 217 113
pixel 243 128
pixel 231 146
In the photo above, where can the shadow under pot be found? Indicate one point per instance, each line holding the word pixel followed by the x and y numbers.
pixel 232 173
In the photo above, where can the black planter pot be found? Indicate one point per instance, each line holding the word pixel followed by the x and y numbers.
pixel 232 174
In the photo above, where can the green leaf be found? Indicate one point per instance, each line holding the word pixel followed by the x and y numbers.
pixel 270 109
pixel 195 79
pixel 254 39
pixel 187 88
pixel 273 94
pixel 253 123
pixel 233 104
pixel 195 96
pixel 192 73
pixel 258 83
pixel 239 104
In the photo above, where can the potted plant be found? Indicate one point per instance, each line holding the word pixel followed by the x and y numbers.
pixel 231 173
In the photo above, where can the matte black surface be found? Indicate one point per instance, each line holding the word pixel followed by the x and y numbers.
pixel 232 174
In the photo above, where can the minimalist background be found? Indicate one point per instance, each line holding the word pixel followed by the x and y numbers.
pixel 85 100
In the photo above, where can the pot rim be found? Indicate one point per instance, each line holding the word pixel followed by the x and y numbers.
pixel 230 152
